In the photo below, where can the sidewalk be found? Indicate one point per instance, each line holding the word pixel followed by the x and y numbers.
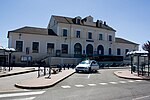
pixel 44 82
pixel 17 70
pixel 127 75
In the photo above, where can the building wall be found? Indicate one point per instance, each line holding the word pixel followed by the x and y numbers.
pixel 71 40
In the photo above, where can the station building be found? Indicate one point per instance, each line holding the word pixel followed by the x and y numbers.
pixel 68 38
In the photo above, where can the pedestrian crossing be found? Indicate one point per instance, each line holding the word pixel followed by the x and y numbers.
pixel 103 83
pixel 30 95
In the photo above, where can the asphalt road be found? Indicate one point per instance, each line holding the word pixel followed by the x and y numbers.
pixel 103 85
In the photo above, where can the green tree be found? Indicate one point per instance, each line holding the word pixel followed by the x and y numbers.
pixel 146 47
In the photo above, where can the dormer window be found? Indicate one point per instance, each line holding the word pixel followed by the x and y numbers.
pixel 78 20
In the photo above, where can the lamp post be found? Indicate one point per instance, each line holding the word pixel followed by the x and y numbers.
pixel 10 51
pixel 148 62
pixel 131 63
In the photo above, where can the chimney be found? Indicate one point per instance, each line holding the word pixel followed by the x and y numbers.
pixel 97 23
pixel 105 23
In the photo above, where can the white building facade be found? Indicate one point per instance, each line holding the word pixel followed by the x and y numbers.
pixel 68 37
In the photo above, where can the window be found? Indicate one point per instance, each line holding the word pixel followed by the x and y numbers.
pixel 109 38
pixel 127 50
pixel 89 35
pixel 64 49
pixel 19 46
pixel 109 51
pixel 118 51
pixel 50 48
pixel 77 34
pixel 100 36
pixel 27 50
pixel 35 47
pixel 65 32
pixel 78 21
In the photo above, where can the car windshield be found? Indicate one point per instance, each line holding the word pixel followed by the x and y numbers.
pixel 85 62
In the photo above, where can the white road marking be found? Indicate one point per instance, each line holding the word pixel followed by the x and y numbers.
pixel 21 94
pixel 113 82
pixel 138 80
pixel 91 84
pixel 141 97
pixel 103 83
pixel 122 81
pixel 131 81
pixel 66 87
pixel 79 85
pixel 89 75
pixel 30 98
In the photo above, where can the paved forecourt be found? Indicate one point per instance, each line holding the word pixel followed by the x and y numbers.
pixel 44 82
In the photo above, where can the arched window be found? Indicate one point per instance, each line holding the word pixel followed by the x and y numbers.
pixel 89 50
pixel 100 50
pixel 77 49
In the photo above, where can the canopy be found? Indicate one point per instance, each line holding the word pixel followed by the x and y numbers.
pixel 10 49
pixel 137 52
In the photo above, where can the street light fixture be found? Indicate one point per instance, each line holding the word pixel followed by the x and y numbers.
pixel 10 51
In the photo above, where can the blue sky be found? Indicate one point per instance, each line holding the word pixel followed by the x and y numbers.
pixel 131 18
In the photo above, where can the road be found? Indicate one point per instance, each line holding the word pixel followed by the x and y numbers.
pixel 103 85
pixel 7 83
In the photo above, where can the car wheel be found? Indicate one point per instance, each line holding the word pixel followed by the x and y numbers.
pixel 89 69
pixel 77 71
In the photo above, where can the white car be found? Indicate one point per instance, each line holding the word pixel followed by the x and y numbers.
pixel 87 66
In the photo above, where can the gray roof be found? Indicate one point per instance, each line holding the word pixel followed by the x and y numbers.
pixel 68 20
pixel 34 30
pixel 121 40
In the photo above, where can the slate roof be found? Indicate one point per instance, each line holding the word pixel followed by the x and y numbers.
pixel 121 40
pixel 68 20
pixel 34 30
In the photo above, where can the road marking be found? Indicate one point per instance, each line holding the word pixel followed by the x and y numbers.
pixel 66 87
pixel 122 82
pixel 131 81
pixel 91 84
pixel 141 97
pixel 79 85
pixel 103 83
pixel 21 94
pixel 89 75
pixel 138 80
pixel 113 82
pixel 30 98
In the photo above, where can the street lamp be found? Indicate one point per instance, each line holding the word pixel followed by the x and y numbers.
pixel 132 63
pixel 10 51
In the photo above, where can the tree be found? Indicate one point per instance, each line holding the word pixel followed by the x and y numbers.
pixel 146 47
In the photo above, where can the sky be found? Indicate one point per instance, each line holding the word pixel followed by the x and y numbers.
pixel 130 18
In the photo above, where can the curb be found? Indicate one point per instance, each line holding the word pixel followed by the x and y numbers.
pixel 16 73
pixel 131 77
pixel 43 87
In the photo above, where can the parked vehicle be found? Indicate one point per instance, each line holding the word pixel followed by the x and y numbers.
pixel 87 66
